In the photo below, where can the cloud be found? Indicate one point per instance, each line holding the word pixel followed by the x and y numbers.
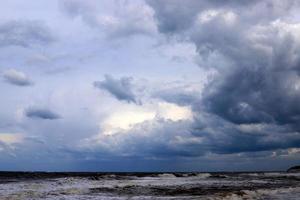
pixel 152 130
pixel 24 33
pixel 181 93
pixel 38 113
pixel 157 138
pixel 168 21
pixel 254 50
pixel 240 107
pixel 15 77
pixel 121 88
pixel 262 80
pixel 10 139
pixel 176 16
pixel 9 143
pixel 119 121
pixel 204 131
pixel 115 19
pixel 220 136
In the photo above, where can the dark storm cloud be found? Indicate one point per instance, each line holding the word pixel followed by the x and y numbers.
pixel 223 137
pixel 16 78
pixel 38 113
pixel 258 84
pixel 255 96
pixel 24 33
pixel 175 16
pixel 119 88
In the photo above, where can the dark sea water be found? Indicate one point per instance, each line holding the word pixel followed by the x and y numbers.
pixel 84 186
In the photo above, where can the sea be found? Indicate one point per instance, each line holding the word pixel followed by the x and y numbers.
pixel 137 186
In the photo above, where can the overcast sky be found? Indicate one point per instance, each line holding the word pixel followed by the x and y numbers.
pixel 149 85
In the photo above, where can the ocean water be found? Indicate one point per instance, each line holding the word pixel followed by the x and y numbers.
pixel 151 186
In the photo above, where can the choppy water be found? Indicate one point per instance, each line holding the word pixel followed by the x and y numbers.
pixel 154 186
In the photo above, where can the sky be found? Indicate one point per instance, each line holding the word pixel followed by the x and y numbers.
pixel 149 85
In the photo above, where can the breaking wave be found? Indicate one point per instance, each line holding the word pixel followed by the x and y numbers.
pixel 150 186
